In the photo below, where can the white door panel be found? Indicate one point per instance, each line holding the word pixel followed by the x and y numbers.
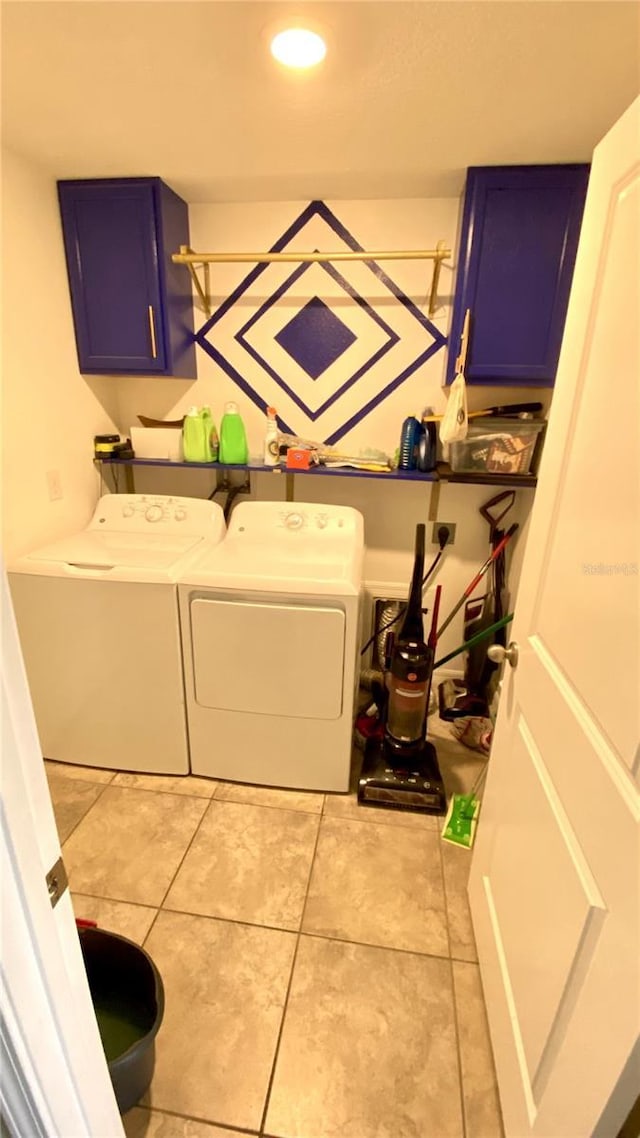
pixel 57 1082
pixel 538 871
pixel 555 879
pixel 594 534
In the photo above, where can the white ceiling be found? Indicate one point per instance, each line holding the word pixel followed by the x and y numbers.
pixel 410 94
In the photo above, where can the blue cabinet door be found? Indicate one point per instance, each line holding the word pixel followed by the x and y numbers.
pixel 520 228
pixel 132 308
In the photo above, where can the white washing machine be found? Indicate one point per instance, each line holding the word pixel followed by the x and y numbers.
pixel 270 630
pixel 97 614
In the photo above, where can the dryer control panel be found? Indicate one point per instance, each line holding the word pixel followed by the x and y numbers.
pixel 159 513
pixel 275 520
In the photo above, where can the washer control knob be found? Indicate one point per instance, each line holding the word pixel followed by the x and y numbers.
pixel 294 521
pixel 322 521
pixel 180 515
pixel 153 513
pixel 128 511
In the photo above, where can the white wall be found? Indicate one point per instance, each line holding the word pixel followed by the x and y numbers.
pixel 391 512
pixel 50 412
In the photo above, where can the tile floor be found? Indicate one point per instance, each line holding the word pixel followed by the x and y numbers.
pixel 318 957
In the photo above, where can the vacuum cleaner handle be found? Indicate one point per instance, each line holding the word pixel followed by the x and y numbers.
pixel 479 575
pixel 412 627
pixel 494 520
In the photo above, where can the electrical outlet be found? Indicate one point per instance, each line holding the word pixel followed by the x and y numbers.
pixel 54 485
pixel 451 526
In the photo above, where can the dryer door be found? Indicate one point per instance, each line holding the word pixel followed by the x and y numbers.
pixel 268 659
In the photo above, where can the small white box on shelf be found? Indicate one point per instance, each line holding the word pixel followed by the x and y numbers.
pixel 157 442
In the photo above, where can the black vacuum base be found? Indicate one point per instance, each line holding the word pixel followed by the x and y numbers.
pixel 415 786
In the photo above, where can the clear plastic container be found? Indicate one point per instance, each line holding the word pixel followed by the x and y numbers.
pixel 496 446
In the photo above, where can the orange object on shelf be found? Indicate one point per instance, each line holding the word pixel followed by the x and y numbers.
pixel 298 458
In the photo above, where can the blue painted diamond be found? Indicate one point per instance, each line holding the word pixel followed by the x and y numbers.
pixel 315 338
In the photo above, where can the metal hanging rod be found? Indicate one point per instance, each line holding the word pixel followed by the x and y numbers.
pixel 187 257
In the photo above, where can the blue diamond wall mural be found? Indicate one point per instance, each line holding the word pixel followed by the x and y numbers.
pixel 312 340
pixel 315 337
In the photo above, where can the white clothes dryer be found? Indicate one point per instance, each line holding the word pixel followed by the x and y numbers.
pixel 270 628
pixel 97 615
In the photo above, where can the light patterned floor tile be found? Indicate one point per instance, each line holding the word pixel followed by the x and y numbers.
pixel 142 1123
pixel 479 1089
pixel 456 863
pixel 378 885
pixel 225 986
pixel 132 921
pixel 169 784
pixel 80 773
pixel 71 800
pixel 347 807
pixel 368 1047
pixel 130 845
pixel 247 863
pixel 308 801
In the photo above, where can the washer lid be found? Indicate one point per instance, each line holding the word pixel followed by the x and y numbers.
pixel 112 550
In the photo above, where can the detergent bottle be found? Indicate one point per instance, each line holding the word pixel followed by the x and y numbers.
pixel 193 437
pixel 233 438
pixel 409 439
pixel 271 439
pixel 210 435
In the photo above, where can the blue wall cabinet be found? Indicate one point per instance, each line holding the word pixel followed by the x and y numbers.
pixel 519 237
pixel 132 307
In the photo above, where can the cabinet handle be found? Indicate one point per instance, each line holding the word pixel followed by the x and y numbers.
pixel 152 331
pixel 461 361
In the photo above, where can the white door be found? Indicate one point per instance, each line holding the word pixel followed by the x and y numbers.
pixel 55 1081
pixel 554 885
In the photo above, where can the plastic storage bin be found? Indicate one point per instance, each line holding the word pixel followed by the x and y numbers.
pixel 496 446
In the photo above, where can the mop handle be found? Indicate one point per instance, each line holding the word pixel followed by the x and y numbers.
pixel 482 635
pixel 479 575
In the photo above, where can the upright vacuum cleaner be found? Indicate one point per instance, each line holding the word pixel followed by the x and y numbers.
pixel 472 696
pixel 400 768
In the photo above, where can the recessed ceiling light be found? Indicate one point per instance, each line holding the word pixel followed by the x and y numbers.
pixel 298 47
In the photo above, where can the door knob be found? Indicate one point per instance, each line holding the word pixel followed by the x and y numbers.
pixel 497 653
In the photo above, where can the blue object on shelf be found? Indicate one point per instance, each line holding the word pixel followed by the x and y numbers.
pixel 427 447
pixel 409 440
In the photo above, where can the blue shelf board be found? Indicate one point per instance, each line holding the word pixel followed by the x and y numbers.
pixel 442 474
pixel 258 468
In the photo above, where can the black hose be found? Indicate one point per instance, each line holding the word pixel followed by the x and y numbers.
pixel 231 497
